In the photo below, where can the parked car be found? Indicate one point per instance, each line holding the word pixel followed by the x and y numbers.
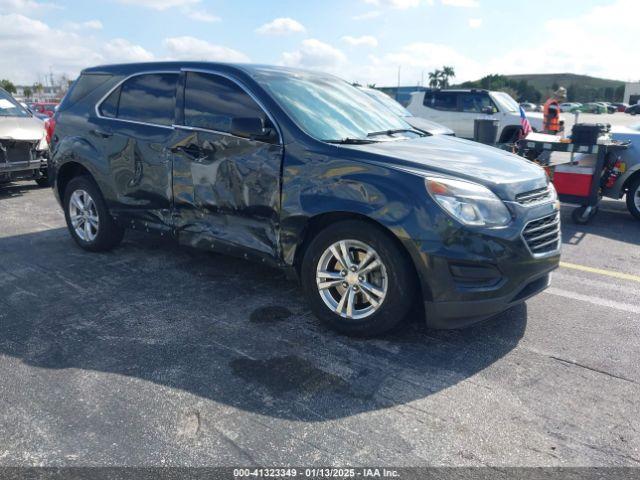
pixel 304 171
pixel 621 107
pixel 47 109
pixel 569 106
pixel 23 144
pixel 458 109
pixel 592 107
pixel 422 124
pixel 609 108
pixel 633 109
pixel 530 107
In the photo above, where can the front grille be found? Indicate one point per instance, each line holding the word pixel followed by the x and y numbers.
pixel 543 235
pixel 534 196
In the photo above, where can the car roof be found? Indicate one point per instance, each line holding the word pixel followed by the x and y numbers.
pixel 247 68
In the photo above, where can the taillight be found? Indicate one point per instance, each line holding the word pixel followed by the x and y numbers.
pixel 49 128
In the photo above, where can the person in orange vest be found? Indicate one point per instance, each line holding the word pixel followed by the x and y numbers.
pixel 551 112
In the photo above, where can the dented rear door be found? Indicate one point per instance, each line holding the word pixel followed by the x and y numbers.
pixel 226 189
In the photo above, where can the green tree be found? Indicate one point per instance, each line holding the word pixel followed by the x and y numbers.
pixel 28 93
pixel 446 74
pixel 434 78
pixel 8 86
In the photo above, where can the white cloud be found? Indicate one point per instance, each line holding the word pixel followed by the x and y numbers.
pixel 189 8
pixel 88 25
pixel 190 48
pixel 368 15
pixel 475 22
pixel 61 50
pixel 399 4
pixel 365 41
pixel 316 55
pixel 461 3
pixel 600 42
pixel 281 26
pixel 31 7
pixel 121 50
pixel 161 4
pixel 201 16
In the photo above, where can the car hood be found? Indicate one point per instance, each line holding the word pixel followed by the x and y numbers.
pixel 428 126
pixel 21 128
pixel 504 173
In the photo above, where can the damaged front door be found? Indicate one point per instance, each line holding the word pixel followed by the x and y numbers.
pixel 226 179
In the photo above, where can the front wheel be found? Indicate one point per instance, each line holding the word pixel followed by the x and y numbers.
pixel 88 218
pixel 357 279
pixel 633 198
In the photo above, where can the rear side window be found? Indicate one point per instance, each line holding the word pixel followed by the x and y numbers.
pixel 441 100
pixel 212 101
pixel 149 98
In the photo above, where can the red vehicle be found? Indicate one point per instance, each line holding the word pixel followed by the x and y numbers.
pixel 45 108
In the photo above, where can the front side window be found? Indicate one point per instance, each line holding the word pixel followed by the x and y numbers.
pixel 148 98
pixel 475 102
pixel 212 102
pixel 441 100
pixel 328 108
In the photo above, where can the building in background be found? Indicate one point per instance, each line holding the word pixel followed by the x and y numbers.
pixel 45 93
pixel 632 93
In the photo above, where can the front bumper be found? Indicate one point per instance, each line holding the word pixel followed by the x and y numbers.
pixel 20 159
pixel 471 275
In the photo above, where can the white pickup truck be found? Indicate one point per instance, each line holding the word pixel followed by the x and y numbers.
pixel 458 109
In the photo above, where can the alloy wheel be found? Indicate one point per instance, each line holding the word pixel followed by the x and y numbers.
pixel 84 215
pixel 352 279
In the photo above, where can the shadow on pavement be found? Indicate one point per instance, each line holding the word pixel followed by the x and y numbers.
pixel 220 328
pixel 613 221
pixel 8 190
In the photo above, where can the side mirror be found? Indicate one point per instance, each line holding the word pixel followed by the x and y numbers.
pixel 253 128
pixel 489 110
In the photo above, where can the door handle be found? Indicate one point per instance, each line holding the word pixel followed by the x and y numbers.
pixel 101 133
pixel 191 150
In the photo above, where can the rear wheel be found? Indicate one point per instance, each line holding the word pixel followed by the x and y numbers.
pixel 88 218
pixel 357 279
pixel 633 198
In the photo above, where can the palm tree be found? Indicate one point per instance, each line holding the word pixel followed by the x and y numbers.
pixel 434 78
pixel 447 73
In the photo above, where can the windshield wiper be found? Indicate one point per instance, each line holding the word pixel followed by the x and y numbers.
pixel 352 141
pixel 395 130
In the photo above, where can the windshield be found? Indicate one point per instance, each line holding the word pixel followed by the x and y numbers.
pixel 506 101
pixel 10 108
pixel 328 108
pixel 388 102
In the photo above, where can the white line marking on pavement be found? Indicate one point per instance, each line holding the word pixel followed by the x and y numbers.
pixel 601 302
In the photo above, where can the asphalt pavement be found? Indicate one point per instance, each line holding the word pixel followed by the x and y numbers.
pixel 155 354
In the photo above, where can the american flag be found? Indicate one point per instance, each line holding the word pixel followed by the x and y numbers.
pixel 524 123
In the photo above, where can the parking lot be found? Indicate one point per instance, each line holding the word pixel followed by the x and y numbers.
pixel 155 354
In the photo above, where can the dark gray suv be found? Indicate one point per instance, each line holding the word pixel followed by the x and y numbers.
pixel 305 172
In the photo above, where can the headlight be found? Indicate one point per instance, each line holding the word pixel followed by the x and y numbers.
pixel 469 203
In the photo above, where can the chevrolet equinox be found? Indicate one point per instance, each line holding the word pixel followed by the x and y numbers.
pixel 303 171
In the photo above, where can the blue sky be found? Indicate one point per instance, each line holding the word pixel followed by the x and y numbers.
pixel 363 40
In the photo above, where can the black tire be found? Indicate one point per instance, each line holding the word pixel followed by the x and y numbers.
pixel 43 182
pixel 401 282
pixel 578 215
pixel 109 233
pixel 632 193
